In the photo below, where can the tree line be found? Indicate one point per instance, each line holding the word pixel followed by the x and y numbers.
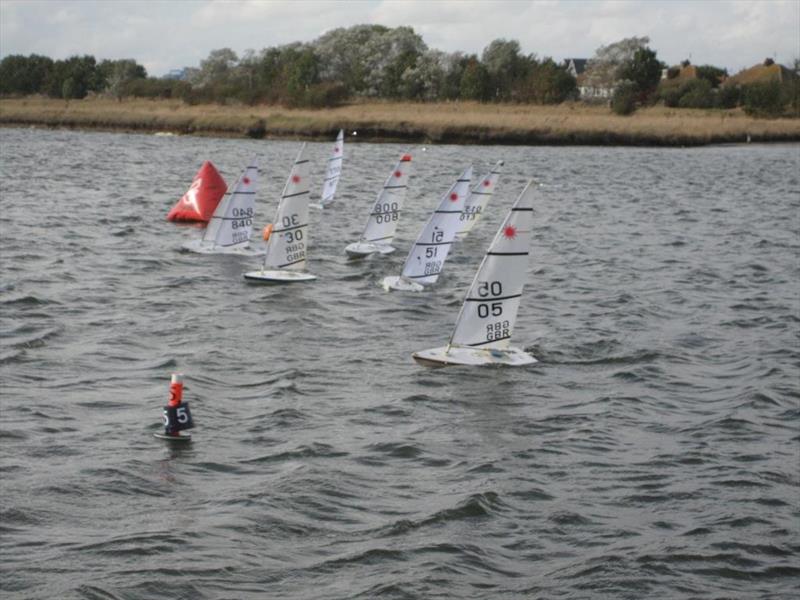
pixel 367 61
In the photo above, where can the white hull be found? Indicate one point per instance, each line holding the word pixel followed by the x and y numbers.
pixel 401 284
pixel 364 249
pixel 202 247
pixel 278 276
pixel 460 355
pixel 181 437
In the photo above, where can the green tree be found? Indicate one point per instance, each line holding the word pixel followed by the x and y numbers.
pixel 623 102
pixel 215 69
pixel 24 74
pixel 475 81
pixel 82 70
pixel 547 83
pixel 506 67
pixel 764 99
pixel 115 75
pixel 714 75
pixel 643 69
pixel 696 93
pixel 301 73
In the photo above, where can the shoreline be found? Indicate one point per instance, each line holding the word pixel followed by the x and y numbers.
pixel 441 123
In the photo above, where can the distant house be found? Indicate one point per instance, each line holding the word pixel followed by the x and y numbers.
pixel 765 72
pixel 593 86
pixel 177 74
pixel 596 80
pixel 575 66
pixel 680 73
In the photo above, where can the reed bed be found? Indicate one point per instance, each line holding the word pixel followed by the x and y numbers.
pixel 456 122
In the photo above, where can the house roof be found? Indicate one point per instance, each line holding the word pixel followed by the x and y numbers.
pixel 761 73
pixel 580 64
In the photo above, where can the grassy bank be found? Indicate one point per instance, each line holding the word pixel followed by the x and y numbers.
pixel 461 122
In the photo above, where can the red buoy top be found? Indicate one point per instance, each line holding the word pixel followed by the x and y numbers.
pixel 176 390
pixel 199 202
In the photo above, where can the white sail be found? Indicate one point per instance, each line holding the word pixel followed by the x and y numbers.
pixel 486 321
pixel 287 245
pixel 382 221
pixel 334 170
pixel 428 254
pixel 490 309
pixel 478 199
pixel 231 225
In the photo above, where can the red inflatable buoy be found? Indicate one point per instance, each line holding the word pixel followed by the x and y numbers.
pixel 198 204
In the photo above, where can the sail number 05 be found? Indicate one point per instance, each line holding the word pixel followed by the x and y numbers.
pixel 488 290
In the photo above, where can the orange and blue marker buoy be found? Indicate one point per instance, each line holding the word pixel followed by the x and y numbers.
pixel 177 416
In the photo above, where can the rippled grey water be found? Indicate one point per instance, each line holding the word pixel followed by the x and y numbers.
pixel 652 453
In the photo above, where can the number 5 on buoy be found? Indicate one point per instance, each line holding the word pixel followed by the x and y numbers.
pixel 176 414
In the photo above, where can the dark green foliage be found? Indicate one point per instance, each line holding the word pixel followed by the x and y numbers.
pixel 73 78
pixel 670 95
pixel 764 99
pixel 714 75
pixel 24 74
pixel 728 97
pixel 325 95
pixel 643 70
pixel 506 67
pixel 791 94
pixel 547 83
pixel 383 62
pixel 153 87
pixel 696 93
pixel 475 81
pixel 623 102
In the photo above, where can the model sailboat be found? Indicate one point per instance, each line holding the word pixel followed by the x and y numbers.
pixel 333 171
pixel 429 253
pixel 477 200
pixel 486 321
pixel 382 222
pixel 229 229
pixel 285 259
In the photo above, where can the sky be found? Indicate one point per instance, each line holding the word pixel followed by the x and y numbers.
pixel 170 34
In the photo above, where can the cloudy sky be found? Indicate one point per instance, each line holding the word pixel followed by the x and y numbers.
pixel 168 34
